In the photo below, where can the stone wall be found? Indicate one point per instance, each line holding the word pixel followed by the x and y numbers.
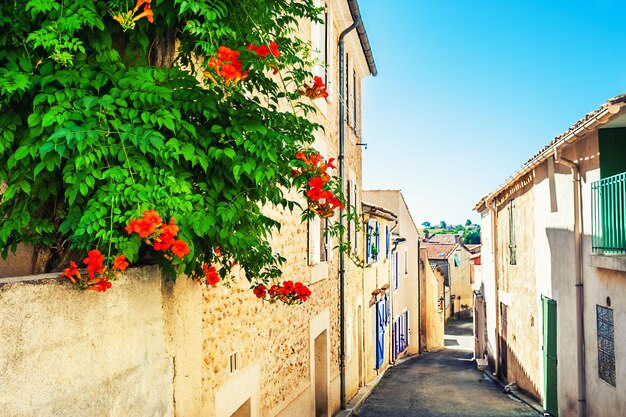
pixel 71 353
pixel 432 313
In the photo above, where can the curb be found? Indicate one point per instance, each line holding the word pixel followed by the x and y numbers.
pixel 521 397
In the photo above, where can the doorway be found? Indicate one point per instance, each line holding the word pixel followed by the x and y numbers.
pixel 321 374
pixel 504 346
pixel 549 356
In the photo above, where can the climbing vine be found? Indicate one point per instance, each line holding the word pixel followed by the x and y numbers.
pixel 191 110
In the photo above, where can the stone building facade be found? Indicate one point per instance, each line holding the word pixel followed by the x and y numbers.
pixel 214 351
pixel 553 270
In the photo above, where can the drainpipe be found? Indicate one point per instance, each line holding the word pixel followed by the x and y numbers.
pixel 494 242
pixel 578 254
pixel 419 299
pixel 342 257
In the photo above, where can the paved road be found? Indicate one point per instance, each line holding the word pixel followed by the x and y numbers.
pixel 442 384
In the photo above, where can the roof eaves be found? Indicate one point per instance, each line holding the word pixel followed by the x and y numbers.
pixel 365 43
pixel 589 122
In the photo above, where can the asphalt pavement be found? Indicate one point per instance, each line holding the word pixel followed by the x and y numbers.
pixel 442 384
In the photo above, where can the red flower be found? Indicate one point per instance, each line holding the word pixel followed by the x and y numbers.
pixel 180 248
pixel 317 90
pixel 316 182
pixel 71 271
pixel 147 13
pixel 260 291
pixel 227 65
pixel 164 241
pixel 218 252
pixel 302 291
pixel 120 263
pixel 101 285
pixel 212 277
pixel 94 262
pixel 170 228
pixel 288 287
pixel 153 217
pixel 143 227
pixel 263 51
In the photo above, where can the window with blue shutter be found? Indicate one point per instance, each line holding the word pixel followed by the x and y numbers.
pixel 380 334
pixel 457 262
pixel 377 252
pixel 368 243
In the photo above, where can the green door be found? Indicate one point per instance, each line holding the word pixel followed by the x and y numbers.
pixel 550 401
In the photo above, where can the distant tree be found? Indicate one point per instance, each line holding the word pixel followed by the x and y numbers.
pixel 426 224
pixel 472 237
pixel 426 232
pixel 443 224
pixel 468 222
pixel 459 228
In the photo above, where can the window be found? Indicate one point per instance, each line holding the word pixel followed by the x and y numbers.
pixel 457 261
pixel 320 42
pixel 354 101
pixel 373 241
pixel 395 274
pixel 406 261
pixel 352 212
pixel 401 334
pixel 512 245
pixel 380 313
pixel 387 242
pixel 319 244
pixel 606 344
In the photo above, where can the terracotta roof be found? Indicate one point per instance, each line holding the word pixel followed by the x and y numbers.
pixel 473 248
pixel 438 251
pixel 446 239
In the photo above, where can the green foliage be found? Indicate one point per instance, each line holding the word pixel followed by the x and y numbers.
pixel 92 134
pixel 472 236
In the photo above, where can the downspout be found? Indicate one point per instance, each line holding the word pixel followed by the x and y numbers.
pixel 342 257
pixel 494 242
pixel 419 299
pixel 578 254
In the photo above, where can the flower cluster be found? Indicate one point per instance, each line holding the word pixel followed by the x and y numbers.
pixel 128 20
pixel 317 90
pixel 226 66
pixel 263 50
pixel 161 236
pixel 288 292
pixel 98 275
pixel 322 201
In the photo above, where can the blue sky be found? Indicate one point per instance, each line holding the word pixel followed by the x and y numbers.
pixel 468 91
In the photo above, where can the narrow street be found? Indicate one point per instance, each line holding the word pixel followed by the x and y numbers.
pixel 442 384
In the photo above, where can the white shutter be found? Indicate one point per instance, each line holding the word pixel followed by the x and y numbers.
pixel 329 242
pixel 314 241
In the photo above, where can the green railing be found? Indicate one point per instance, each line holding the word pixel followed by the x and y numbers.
pixel 608 215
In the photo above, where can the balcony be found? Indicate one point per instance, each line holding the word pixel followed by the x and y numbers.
pixel 608 215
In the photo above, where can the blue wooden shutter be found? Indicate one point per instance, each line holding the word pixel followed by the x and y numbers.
pixel 368 243
pixel 377 241
pixel 380 334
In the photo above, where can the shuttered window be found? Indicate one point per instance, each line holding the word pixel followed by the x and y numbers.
pixel 387 242
pixel 512 244
pixel 373 241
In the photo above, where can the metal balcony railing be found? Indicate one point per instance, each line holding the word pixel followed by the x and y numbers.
pixel 608 215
